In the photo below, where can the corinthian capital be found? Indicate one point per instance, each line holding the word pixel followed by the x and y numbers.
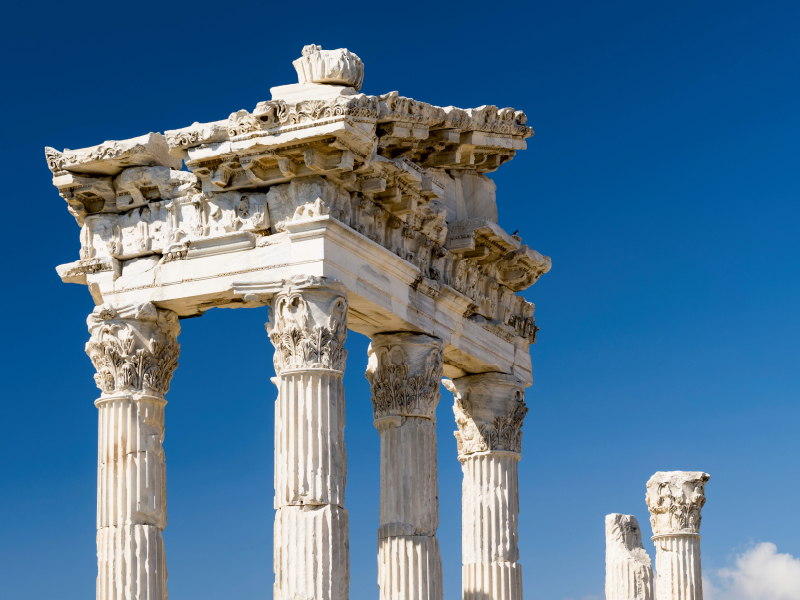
pixel 309 325
pixel 134 348
pixel 674 499
pixel 404 372
pixel 489 410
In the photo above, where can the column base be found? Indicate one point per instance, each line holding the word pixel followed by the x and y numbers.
pixel 312 553
pixel 409 568
pixel 491 581
pixel 130 563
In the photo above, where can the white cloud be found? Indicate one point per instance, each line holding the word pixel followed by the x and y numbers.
pixel 758 574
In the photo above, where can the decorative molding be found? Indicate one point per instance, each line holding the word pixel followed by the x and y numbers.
pixel 394 169
pixel 334 67
pixel 489 411
pixel 309 325
pixel 111 157
pixel 404 372
pixel 133 348
pixel 674 499
pixel 394 107
pixel 276 113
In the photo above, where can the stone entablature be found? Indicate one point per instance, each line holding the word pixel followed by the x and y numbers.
pixel 405 174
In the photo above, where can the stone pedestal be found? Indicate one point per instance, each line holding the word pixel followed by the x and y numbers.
pixel 629 573
pixel 405 371
pixel 489 410
pixel 308 329
pixel 674 500
pixel 135 351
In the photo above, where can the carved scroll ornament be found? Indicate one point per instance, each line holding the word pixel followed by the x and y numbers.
pixel 674 500
pixel 502 433
pixel 402 389
pixel 302 339
pixel 134 348
pixel 489 411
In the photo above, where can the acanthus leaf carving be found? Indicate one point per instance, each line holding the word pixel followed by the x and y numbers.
pixel 489 411
pixel 241 123
pixel 302 339
pixel 675 499
pixel 276 113
pixel 134 349
pixel 405 372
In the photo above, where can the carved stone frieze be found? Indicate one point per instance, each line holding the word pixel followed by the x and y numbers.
pixel 404 372
pixel 134 348
pixel 489 410
pixel 179 140
pixel 309 325
pixel 406 174
pixel 674 499
pixel 167 221
pixel 76 272
pixel 276 113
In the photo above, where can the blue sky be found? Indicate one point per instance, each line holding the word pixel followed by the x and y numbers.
pixel 663 181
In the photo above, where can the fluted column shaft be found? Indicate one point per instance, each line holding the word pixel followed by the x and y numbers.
pixel 405 371
pixel 629 573
pixel 308 329
pixel 135 351
pixel 675 499
pixel 678 567
pixel 489 411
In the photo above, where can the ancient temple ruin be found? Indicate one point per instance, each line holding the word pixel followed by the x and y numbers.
pixel 338 210
pixel 674 500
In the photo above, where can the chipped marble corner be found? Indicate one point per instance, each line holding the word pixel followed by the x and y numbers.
pixel 337 67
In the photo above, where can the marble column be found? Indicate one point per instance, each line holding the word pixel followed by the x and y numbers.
pixel 135 351
pixel 405 371
pixel 308 328
pixel 489 410
pixel 674 499
pixel 629 572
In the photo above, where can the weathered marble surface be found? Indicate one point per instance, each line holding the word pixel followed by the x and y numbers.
pixel 489 411
pixel 135 352
pixel 675 499
pixel 338 209
pixel 629 572
pixel 395 187
pixel 308 328
pixel 405 371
